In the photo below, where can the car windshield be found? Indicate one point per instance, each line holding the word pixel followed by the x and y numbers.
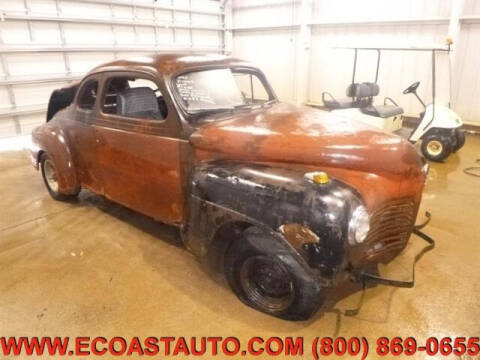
pixel 219 89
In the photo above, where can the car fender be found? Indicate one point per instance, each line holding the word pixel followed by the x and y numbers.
pixel 209 223
pixel 226 195
pixel 50 138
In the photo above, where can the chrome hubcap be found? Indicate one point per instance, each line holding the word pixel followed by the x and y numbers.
pixel 435 147
pixel 51 175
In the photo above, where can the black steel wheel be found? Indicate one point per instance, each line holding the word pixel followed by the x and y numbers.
pixel 266 283
pixel 436 147
pixel 264 276
pixel 50 178
pixel 460 137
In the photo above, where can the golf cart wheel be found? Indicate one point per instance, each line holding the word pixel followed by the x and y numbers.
pixel 50 178
pixel 436 147
pixel 269 283
pixel 460 135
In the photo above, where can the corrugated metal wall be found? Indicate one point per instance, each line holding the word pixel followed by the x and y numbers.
pixel 46 43
pixel 272 50
pixel 31 31
pixel 267 34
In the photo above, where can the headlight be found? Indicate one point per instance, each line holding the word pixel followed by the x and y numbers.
pixel 358 226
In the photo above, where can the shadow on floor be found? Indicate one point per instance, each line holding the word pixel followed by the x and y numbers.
pixel 171 235
pixel 165 232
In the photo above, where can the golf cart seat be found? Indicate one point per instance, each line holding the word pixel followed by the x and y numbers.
pixel 383 111
pixel 366 91
pixel 345 103
pixel 334 104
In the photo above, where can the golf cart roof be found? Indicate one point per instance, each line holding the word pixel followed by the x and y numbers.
pixel 388 48
pixel 379 50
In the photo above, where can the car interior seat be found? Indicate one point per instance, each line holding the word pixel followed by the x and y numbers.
pixel 162 106
pixel 115 86
pixel 139 102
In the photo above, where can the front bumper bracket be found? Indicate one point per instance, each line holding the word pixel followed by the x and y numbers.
pixel 365 277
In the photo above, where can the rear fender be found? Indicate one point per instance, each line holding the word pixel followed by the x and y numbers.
pixel 49 138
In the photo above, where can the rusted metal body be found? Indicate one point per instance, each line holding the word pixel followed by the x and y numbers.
pixel 237 169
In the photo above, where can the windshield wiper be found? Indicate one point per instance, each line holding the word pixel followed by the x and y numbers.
pixel 269 102
pixel 257 105
pixel 243 106
pixel 209 111
pixel 206 112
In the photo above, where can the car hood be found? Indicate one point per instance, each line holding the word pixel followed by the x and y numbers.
pixel 288 133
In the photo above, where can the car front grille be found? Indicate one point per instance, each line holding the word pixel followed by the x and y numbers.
pixel 390 229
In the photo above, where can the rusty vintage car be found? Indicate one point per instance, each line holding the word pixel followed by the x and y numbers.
pixel 288 201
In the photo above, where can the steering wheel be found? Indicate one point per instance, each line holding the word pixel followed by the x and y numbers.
pixel 412 88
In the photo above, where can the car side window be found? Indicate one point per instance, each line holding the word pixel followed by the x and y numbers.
pixel 134 97
pixel 88 95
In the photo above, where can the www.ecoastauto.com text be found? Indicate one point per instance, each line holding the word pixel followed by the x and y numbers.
pixel 319 347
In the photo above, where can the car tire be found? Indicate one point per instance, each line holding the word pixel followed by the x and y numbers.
pixel 460 137
pixel 436 147
pixel 49 175
pixel 269 283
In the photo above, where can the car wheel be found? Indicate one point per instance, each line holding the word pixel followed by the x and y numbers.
pixel 460 136
pixel 436 147
pixel 50 178
pixel 270 283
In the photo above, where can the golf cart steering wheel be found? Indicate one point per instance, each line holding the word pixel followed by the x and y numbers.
pixel 412 88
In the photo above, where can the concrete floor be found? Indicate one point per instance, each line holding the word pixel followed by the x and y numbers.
pixel 97 269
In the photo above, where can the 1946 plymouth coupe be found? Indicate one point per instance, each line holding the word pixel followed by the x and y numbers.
pixel 287 201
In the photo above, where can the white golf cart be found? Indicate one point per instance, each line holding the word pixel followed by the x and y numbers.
pixel 439 126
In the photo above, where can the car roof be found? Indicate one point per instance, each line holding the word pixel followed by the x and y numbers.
pixel 169 64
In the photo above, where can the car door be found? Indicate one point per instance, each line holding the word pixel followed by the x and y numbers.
pixel 81 134
pixel 138 146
